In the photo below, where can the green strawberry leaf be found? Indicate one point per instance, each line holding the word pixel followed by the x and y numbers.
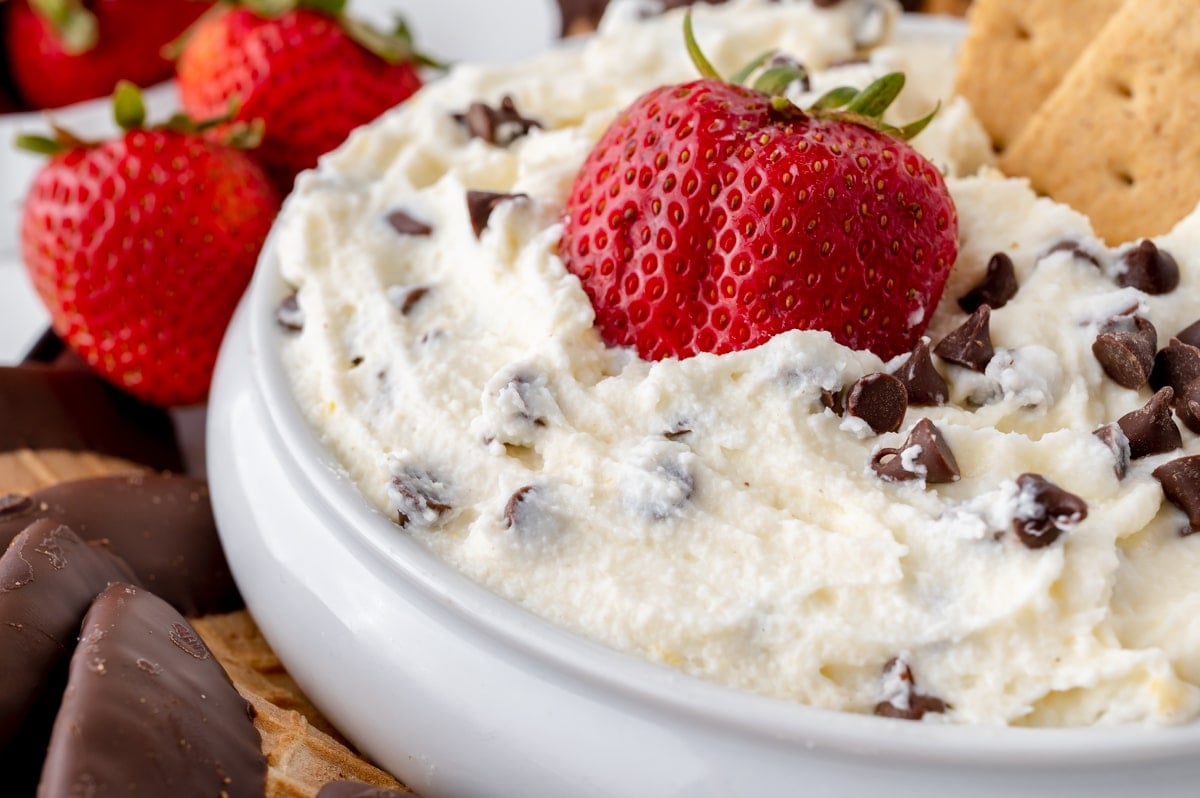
pixel 42 145
pixel 877 97
pixel 775 80
pixel 835 98
pixel 702 64
pixel 906 132
pixel 334 8
pixel 742 75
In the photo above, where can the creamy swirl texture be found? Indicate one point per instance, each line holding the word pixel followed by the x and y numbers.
pixel 715 514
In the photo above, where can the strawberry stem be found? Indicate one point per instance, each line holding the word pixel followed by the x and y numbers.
pixel 702 64
pixel 129 111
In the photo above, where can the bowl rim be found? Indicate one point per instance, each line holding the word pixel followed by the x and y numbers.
pixel 626 675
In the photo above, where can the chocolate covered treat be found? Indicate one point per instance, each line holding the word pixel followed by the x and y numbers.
pixel 148 711
pixel 162 525
pixel 48 578
pixel 45 408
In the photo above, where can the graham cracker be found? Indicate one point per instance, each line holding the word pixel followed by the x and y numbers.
pixel 1017 51
pixel 301 756
pixel 27 470
pixel 1118 139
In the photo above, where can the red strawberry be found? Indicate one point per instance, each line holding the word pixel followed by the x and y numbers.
pixel 711 217
pixel 141 247
pixel 306 73
pixel 62 51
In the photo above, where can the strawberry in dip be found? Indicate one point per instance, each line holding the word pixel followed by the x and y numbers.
pixel 712 365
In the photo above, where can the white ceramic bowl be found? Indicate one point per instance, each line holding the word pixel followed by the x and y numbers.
pixel 462 693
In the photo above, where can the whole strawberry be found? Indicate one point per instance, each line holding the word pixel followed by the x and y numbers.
pixel 64 51
pixel 141 246
pixel 308 71
pixel 710 217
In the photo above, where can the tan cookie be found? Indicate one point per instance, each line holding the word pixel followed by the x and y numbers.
pixel 1017 51
pixel 1117 139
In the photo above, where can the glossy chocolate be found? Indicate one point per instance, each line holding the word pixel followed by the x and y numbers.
pixel 47 407
pixel 48 579
pixel 148 711
pixel 161 525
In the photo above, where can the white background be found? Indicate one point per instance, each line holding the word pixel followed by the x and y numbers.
pixel 453 30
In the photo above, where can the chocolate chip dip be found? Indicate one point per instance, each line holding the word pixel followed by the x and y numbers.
pixel 994 528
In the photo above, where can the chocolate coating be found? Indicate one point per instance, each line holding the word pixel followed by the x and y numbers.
pixel 161 525
pixel 51 408
pixel 48 579
pixel 148 711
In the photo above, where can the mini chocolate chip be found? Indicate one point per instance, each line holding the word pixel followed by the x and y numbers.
pixel 1149 269
pixel 406 225
pixel 680 430
pixel 832 400
pixel 356 362
pixel 418 497
pixel 997 287
pixel 500 125
pixel 660 484
pixel 970 344
pixel 1044 511
pixel 1127 356
pixel 515 506
pixel 1176 366
pixel 922 382
pixel 405 297
pixel 880 400
pixel 924 455
pixel 1187 406
pixel 13 503
pixel 1114 438
pixel 480 205
pixel 1151 430
pixel 905 703
pixel 1190 334
pixel 289 314
pixel 1180 480
pixel 1077 251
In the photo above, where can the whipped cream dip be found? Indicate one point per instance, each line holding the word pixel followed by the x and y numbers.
pixel 716 514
